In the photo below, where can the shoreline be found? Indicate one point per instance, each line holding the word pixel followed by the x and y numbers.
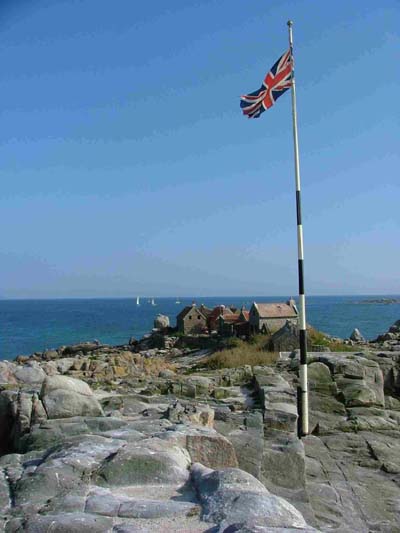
pixel 36 325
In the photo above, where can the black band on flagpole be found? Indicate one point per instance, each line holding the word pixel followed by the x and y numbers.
pixel 301 276
pixel 298 207
pixel 303 346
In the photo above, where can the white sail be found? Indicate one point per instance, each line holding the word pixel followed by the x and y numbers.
pixel 138 301
pixel 153 302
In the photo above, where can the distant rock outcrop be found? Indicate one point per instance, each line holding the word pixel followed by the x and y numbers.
pixel 356 336
pixel 390 339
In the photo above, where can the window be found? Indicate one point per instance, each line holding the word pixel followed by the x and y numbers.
pixel 198 317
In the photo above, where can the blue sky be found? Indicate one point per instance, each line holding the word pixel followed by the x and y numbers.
pixel 127 167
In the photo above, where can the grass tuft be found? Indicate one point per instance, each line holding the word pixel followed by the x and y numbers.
pixel 317 338
pixel 239 353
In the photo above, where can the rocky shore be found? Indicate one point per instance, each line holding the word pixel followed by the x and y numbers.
pixel 138 438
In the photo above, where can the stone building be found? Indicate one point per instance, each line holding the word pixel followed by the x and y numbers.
pixel 226 324
pixel 214 316
pixel 270 317
pixel 191 320
pixel 285 339
pixel 235 324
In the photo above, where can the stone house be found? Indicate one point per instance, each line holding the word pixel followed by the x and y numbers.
pixel 216 313
pixel 285 339
pixel 226 324
pixel 191 320
pixel 270 317
pixel 205 310
pixel 235 324
pixel 242 326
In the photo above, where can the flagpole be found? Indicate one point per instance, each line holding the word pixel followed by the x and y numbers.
pixel 303 389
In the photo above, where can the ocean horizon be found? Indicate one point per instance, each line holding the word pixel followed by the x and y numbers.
pixel 28 325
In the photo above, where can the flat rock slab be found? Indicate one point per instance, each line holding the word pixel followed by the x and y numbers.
pixel 149 462
pixel 67 523
pixel 104 502
pixel 346 478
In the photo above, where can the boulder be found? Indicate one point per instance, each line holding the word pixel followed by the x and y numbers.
pixel 201 415
pixel 320 378
pixel 166 374
pixel 50 368
pixel 65 397
pixel 213 450
pixel 356 393
pixel 83 347
pixel 161 322
pixel 150 462
pixel 7 373
pixel 281 416
pixel 5 497
pixel 65 364
pixel 356 336
pixel 231 496
pixel 358 378
pixel 50 354
pixel 30 374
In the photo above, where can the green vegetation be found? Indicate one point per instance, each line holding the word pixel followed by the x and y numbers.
pixel 317 338
pixel 237 352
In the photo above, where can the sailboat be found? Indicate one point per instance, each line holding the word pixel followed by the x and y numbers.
pixel 137 300
pixel 178 301
pixel 153 302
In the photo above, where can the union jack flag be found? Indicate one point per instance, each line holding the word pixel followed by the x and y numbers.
pixel 276 82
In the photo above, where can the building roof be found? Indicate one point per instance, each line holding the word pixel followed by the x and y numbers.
pixel 218 311
pixel 234 317
pixel 189 308
pixel 276 310
pixel 245 314
pixel 205 310
pixel 289 329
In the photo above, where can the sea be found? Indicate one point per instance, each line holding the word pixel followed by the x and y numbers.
pixel 28 326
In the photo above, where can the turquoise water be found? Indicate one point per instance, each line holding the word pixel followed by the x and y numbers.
pixel 27 326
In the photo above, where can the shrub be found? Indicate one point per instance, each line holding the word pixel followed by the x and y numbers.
pixel 317 338
pixel 240 353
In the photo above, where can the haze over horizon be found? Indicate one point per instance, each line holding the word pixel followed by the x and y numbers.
pixel 128 169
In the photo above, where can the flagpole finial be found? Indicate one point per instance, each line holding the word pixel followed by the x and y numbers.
pixel 290 23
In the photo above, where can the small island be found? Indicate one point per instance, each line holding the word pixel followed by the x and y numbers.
pixel 384 301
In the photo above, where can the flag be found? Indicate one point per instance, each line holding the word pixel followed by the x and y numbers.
pixel 276 82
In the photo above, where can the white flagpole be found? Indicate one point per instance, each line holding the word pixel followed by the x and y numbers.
pixel 303 389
